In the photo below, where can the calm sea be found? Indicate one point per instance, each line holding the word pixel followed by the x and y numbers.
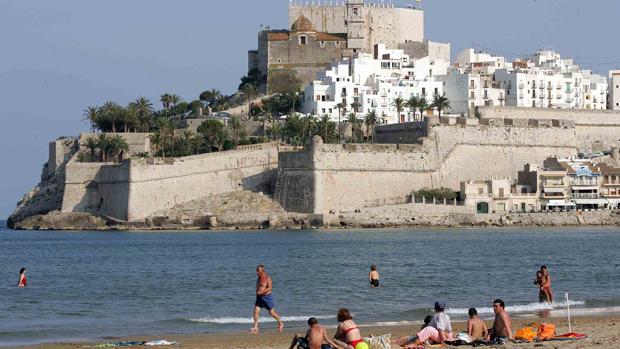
pixel 92 285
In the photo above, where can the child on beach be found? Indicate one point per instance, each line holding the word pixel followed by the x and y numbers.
pixel 373 276
pixel 476 328
pixel 22 282
pixel 316 337
pixel 539 283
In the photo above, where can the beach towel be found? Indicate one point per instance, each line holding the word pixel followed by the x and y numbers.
pixel 572 336
pixel 120 344
pixel 160 342
pixel 379 342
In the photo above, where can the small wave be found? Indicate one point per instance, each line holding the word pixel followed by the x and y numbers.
pixel 242 320
pixel 519 308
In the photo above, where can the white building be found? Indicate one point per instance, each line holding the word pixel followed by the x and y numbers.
pixel 614 89
pixel 544 80
pixel 372 83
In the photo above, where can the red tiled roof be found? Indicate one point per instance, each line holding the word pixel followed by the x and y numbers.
pixel 606 169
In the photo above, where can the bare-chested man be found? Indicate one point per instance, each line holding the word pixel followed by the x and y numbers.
pixel 316 337
pixel 476 328
pixel 264 298
pixel 502 326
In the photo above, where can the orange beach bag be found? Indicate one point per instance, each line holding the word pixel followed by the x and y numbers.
pixel 546 331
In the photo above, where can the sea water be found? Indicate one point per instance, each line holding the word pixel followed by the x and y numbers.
pixel 95 285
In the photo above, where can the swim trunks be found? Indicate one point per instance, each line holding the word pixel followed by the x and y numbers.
pixel 374 282
pixel 302 343
pixel 264 301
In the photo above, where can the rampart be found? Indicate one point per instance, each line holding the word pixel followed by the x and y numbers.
pixel 139 187
pixel 596 129
pixel 326 179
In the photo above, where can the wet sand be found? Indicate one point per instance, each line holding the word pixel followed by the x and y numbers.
pixel 603 332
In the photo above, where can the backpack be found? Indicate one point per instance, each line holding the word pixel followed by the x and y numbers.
pixel 526 334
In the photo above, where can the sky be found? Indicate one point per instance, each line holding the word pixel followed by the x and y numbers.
pixel 58 57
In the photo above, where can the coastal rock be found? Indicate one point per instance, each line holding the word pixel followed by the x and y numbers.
pixel 62 221
pixel 42 199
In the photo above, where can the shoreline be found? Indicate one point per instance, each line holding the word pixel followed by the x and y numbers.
pixel 603 332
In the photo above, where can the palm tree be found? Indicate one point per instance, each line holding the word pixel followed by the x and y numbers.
pixel 250 92
pixel 103 143
pixel 352 119
pixel 440 103
pixel 143 109
pixel 237 126
pixel 210 96
pixel 175 99
pixel 399 104
pixel 112 112
pixel 117 147
pixel 91 144
pixel 342 108
pixel 413 104
pixel 275 131
pixel 92 115
pixel 166 100
pixel 423 106
pixel 166 130
pixel 370 120
pixel 156 141
pixel 129 118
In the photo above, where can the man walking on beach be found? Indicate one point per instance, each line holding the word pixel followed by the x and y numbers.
pixel 502 326
pixel 264 298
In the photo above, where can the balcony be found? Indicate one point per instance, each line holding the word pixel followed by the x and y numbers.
pixel 584 182
pixel 585 196
pixel 521 86
pixel 570 100
pixel 568 90
pixel 558 87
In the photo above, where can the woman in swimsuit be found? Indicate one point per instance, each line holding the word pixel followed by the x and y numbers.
pixel 373 276
pixel 22 278
pixel 347 334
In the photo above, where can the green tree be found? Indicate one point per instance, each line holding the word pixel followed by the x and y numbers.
pixel 399 104
pixel 143 109
pixel 195 108
pixel 175 99
pixel 166 134
pixel 326 129
pixel 166 100
pixel 214 134
pixel 237 126
pixel 440 103
pixel 117 147
pixel 342 110
pixel 157 142
pixel 353 121
pixel 275 131
pixel 413 103
pixel 370 120
pixel 250 92
pixel 103 143
pixel 210 97
pixel 422 106
pixel 91 144
pixel 92 115
pixel 112 114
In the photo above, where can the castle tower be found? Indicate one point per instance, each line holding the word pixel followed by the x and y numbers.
pixel 355 24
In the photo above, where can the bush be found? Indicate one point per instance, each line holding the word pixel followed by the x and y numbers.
pixel 438 193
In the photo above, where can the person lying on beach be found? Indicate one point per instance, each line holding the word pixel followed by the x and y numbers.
pixel 373 276
pixel 476 328
pixel 347 334
pixel 441 322
pixel 502 326
pixel 316 337
pixel 419 338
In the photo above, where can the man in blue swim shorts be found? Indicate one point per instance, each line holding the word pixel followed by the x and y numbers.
pixel 264 298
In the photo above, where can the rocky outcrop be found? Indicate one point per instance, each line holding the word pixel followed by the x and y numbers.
pixel 43 198
pixel 62 221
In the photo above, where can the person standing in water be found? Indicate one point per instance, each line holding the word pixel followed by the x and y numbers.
pixel 546 284
pixel 373 276
pixel 264 298
pixel 22 282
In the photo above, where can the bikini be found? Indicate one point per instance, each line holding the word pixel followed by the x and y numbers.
pixel 352 343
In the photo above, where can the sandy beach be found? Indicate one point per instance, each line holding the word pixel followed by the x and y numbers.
pixel 603 332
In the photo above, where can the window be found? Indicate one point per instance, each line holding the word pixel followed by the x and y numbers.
pixel 303 40
pixel 436 91
pixel 323 110
pixel 356 11
pixel 323 98
pixel 337 44
pixel 322 43
pixel 480 191
pixel 279 60
pixel 318 98
pixel 472 95
pixel 501 192
pixel 424 91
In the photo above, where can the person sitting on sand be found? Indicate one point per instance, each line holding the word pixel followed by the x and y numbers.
pixel 476 328
pixel 546 284
pixel 347 334
pixel 441 322
pixel 373 276
pixel 316 337
pixel 425 334
pixel 22 282
pixel 502 326
pixel 264 298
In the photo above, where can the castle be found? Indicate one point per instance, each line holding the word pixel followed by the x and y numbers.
pixel 320 34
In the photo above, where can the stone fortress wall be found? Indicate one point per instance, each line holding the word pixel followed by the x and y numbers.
pixel 139 187
pixel 327 179
pixel 597 130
